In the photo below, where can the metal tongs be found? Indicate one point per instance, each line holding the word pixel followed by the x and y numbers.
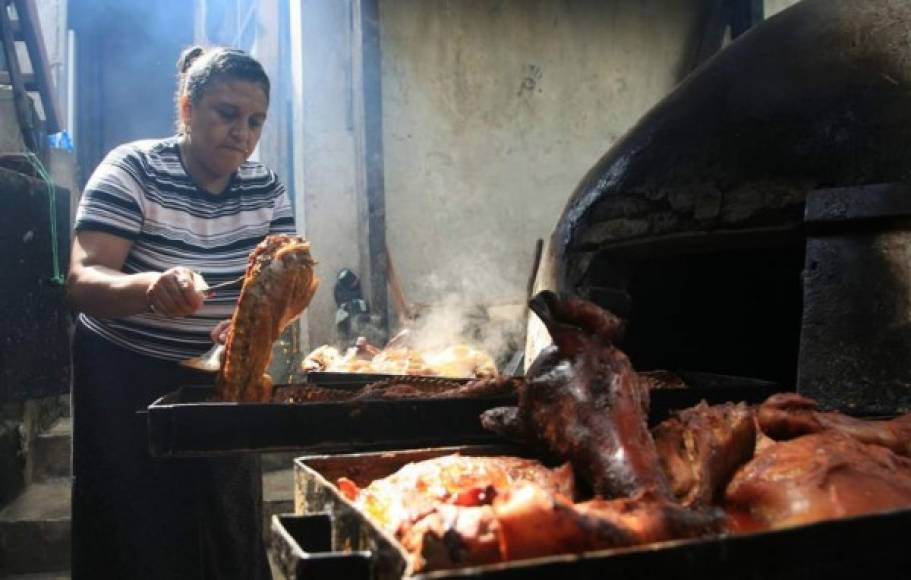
pixel 209 361
pixel 209 291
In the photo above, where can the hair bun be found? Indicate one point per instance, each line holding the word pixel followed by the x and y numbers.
pixel 188 57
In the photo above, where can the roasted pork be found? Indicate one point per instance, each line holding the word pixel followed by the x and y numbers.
pixel 278 285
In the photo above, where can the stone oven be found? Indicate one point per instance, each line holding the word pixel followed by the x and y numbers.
pixel 757 221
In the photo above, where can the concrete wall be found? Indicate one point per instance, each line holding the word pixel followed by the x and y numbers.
pixel 325 151
pixel 493 110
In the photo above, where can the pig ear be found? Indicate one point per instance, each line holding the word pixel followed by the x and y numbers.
pixel 544 304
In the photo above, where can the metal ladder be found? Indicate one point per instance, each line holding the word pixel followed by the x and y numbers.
pixel 26 28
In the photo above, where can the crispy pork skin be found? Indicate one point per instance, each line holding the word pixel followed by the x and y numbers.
pixel 453 537
pixel 278 285
pixel 817 477
pixel 528 521
pixel 585 401
pixel 788 415
pixel 701 448
pixel 534 523
pixel 397 501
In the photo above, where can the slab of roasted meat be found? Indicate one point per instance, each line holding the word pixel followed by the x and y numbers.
pixel 700 448
pixel 534 523
pixel 396 502
pixel 440 509
pixel 789 415
pixel 817 477
pixel 278 285
pixel 456 511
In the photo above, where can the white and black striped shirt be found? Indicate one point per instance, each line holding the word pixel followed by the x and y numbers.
pixel 141 192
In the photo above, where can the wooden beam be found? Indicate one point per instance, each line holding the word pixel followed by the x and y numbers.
pixel 368 127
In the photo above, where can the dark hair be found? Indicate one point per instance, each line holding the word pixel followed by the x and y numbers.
pixel 198 68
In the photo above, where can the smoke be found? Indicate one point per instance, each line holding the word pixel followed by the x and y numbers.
pixel 480 308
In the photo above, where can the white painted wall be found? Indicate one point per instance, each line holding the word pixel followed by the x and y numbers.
pixel 493 112
pixel 325 151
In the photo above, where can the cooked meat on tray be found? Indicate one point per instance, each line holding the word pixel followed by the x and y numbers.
pixel 397 501
pixel 789 415
pixel 705 470
pixel 278 285
pixel 458 361
pixel 817 477
pixel 404 387
pixel 700 448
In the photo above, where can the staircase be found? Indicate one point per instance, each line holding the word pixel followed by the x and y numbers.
pixel 35 527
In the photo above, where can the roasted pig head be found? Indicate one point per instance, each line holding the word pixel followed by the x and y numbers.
pixel 278 285
pixel 583 399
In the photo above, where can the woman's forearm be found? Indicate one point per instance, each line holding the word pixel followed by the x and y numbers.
pixel 107 293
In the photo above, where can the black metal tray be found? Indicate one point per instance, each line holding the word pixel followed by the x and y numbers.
pixel 870 546
pixel 189 422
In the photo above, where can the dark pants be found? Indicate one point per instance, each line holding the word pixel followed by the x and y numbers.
pixel 138 517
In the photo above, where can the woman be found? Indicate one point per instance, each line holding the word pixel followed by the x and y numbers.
pixel 155 216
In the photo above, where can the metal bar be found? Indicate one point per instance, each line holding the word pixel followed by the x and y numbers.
pixel 34 41
pixel 853 204
pixel 368 115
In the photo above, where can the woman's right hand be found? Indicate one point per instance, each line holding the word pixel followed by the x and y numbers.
pixel 174 294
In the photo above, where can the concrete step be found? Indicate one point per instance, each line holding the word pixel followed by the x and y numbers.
pixel 41 576
pixel 279 460
pixel 51 451
pixel 278 496
pixel 35 530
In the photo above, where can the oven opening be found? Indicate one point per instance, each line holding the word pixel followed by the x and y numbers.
pixel 730 312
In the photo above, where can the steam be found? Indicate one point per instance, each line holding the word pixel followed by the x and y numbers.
pixel 479 308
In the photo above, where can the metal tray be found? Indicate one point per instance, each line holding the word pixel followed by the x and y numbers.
pixel 328 526
pixel 188 422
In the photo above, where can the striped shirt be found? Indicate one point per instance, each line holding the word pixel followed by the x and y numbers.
pixel 142 192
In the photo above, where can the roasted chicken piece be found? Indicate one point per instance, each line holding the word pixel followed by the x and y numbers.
pixel 278 285
pixel 789 415
pixel 817 477
pixel 701 448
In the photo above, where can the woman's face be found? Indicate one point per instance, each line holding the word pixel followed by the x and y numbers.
pixel 225 125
